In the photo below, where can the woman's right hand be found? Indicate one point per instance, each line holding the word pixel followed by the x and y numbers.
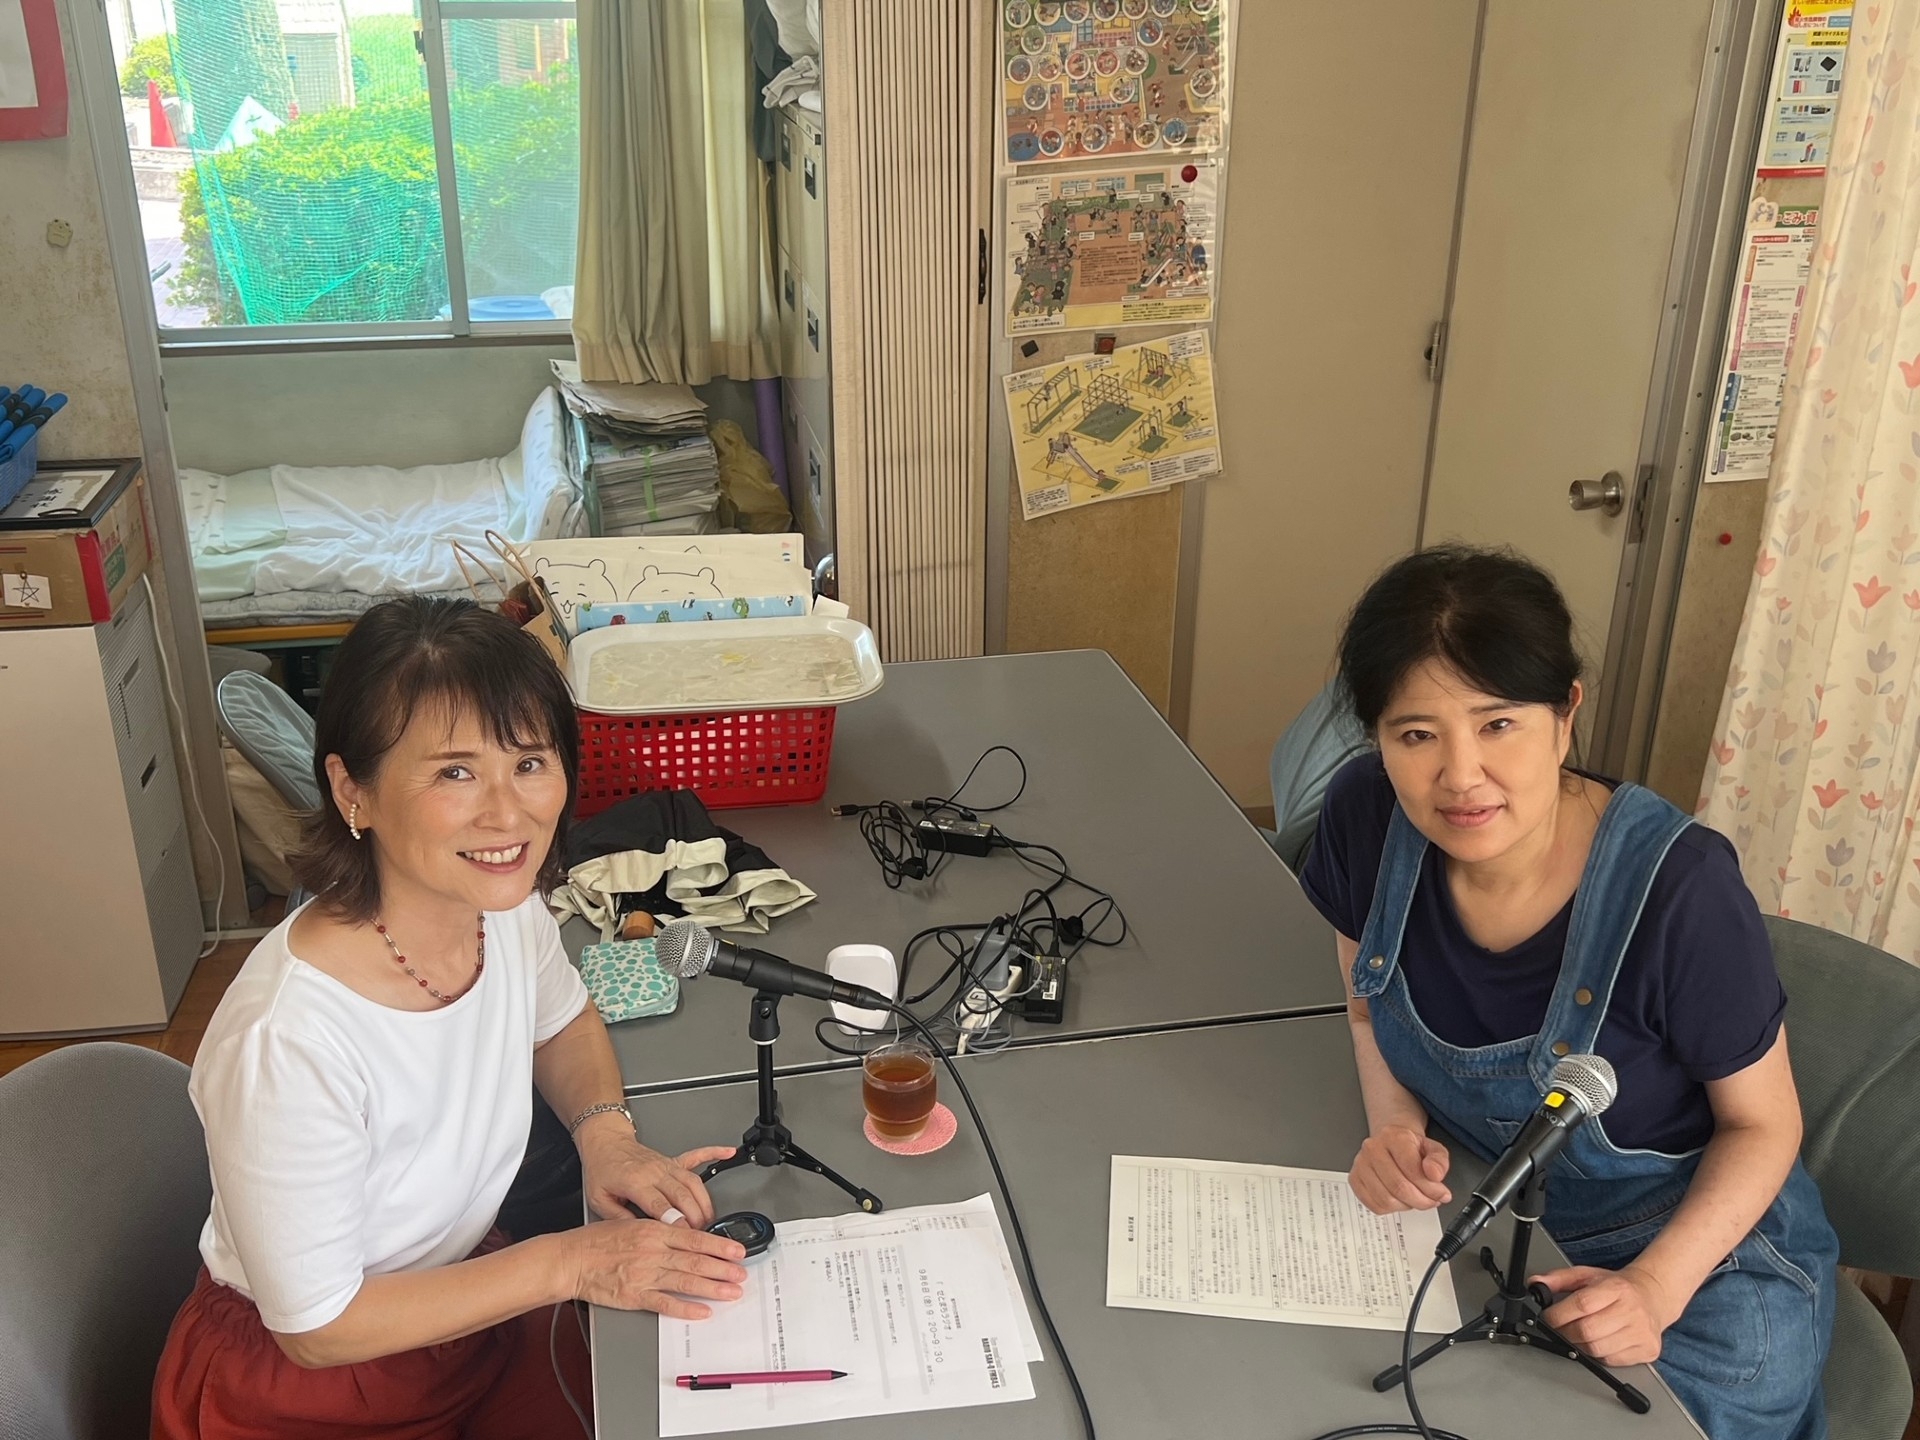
pixel 645 1265
pixel 1398 1168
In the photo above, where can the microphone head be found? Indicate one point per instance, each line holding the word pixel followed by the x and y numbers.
pixel 1588 1079
pixel 685 948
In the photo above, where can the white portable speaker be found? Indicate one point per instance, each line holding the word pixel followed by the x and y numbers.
pixel 868 965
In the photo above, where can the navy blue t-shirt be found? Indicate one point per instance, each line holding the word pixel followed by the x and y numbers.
pixel 1697 999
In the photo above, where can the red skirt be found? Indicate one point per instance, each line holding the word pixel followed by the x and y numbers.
pixel 224 1377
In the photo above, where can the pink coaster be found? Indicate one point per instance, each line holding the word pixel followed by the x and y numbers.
pixel 941 1127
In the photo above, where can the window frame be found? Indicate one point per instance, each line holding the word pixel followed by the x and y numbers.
pixel 459 328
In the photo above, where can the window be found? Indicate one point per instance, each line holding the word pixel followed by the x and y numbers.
pixel 354 168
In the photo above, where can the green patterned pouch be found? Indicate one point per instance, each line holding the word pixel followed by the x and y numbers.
pixel 626 980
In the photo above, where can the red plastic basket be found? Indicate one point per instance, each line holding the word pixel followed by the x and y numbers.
pixel 729 758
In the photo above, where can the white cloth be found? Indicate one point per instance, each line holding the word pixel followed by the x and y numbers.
pixel 348 1138
pixel 793 83
pixel 798 24
pixel 748 902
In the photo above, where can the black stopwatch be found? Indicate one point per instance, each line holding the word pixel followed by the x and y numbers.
pixel 746 1227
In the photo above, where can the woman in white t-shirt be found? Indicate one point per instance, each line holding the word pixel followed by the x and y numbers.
pixel 366 1082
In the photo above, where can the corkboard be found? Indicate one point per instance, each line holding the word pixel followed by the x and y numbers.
pixel 1099 578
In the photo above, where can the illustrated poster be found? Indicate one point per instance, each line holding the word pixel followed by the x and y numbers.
pixel 1775 258
pixel 1808 69
pixel 1092 251
pixel 1103 427
pixel 1090 78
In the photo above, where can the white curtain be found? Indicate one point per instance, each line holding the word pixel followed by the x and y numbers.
pixel 1813 768
pixel 675 275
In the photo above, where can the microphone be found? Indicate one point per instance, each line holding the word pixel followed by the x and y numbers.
pixel 1580 1087
pixel 690 950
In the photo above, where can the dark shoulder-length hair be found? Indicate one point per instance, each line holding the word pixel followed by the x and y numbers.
pixel 439 657
pixel 1491 616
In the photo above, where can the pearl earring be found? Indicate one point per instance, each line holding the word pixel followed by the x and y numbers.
pixel 353 819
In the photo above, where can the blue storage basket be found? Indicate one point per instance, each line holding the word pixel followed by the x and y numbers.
pixel 15 473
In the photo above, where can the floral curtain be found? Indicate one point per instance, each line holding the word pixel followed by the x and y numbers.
pixel 1812 773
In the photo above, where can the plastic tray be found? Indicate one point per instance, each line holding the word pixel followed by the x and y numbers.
pixel 585 646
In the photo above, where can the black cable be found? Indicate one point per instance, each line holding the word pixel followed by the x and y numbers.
pixel 1025 851
pixel 1013 1219
pixel 1419 1426
pixel 933 805
pixel 893 838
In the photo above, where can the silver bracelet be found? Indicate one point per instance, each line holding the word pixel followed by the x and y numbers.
pixel 610 1107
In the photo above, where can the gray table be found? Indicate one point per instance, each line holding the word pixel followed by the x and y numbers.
pixel 1220 929
pixel 1277 1092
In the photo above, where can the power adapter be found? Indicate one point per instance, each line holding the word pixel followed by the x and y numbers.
pixel 1045 999
pixel 956 837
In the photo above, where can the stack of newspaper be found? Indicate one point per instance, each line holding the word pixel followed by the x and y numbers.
pixel 643 455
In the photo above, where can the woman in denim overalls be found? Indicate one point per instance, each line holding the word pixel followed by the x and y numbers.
pixel 1716 1263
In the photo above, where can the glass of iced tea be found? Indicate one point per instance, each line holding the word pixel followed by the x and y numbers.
pixel 898 1087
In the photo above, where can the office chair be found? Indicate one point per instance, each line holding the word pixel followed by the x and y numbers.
pixel 266 725
pixel 272 731
pixel 104 1188
pixel 1321 739
pixel 1853 1026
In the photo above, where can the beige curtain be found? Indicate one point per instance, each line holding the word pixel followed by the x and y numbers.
pixel 674 279
pixel 1815 771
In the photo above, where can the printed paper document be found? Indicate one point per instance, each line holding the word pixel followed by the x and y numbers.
pixel 920 1307
pixel 1266 1242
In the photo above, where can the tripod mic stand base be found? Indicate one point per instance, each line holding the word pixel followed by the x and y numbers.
pixel 769 1146
pixel 1513 1317
pixel 767 1142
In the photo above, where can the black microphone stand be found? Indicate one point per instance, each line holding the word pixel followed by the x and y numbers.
pixel 768 1142
pixel 1512 1314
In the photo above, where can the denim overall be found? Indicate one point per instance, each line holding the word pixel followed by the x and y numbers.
pixel 1745 1357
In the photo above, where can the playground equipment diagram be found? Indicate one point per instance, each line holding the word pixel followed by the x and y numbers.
pixel 1102 427
pixel 1086 78
pixel 1093 251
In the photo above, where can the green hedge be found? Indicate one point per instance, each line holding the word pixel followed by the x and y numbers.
pixel 149 59
pixel 335 217
pixel 385 61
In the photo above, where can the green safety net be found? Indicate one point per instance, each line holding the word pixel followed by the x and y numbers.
pixel 314 193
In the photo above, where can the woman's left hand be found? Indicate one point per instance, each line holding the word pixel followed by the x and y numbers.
pixel 621 1172
pixel 1616 1316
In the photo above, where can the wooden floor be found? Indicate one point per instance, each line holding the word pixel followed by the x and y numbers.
pixel 210 979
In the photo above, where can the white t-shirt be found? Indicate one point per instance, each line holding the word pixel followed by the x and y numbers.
pixel 348 1138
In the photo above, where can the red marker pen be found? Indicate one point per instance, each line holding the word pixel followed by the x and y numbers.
pixel 754 1377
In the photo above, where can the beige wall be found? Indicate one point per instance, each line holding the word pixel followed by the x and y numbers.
pixel 1339 218
pixel 1713 593
pixel 59 313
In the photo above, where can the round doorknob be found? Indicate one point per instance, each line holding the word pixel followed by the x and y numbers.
pixel 1608 494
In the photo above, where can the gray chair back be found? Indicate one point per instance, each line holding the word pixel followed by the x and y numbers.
pixel 1853 1029
pixel 103 1190
pixel 272 731
pixel 1321 739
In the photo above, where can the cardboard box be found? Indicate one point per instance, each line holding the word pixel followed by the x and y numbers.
pixel 73 544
